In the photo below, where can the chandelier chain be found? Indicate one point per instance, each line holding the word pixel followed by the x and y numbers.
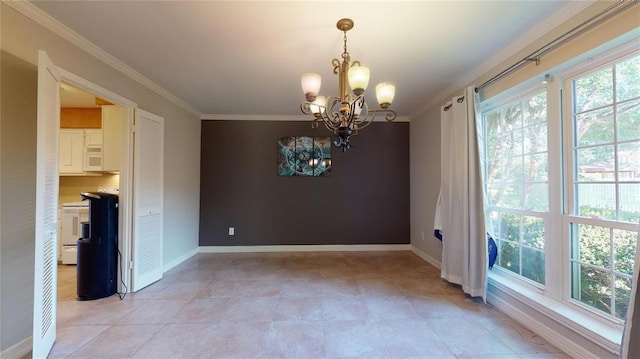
pixel 345 53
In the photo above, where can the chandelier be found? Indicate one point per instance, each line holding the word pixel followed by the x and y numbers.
pixel 347 113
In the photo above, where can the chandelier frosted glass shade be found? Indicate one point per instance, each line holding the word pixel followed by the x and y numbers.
pixel 311 85
pixel 347 112
pixel 385 92
pixel 358 78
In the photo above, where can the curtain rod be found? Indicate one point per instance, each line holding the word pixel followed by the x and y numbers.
pixel 562 39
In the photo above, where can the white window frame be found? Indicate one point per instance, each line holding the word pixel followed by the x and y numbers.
pixel 568 218
pixel 554 300
pixel 523 91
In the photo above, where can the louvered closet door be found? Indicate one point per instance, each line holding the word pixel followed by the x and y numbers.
pixel 148 172
pixel 46 257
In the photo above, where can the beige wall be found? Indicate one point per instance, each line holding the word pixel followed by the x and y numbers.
pixel 18 195
pixel 22 38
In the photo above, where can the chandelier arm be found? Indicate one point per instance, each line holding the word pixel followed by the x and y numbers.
pixel 336 66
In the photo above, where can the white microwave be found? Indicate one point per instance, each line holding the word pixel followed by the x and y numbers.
pixel 93 158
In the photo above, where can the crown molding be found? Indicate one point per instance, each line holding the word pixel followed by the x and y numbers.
pixel 301 118
pixel 556 19
pixel 40 17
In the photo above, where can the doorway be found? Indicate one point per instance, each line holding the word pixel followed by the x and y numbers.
pixel 90 158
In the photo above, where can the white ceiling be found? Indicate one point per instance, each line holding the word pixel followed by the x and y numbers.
pixel 245 58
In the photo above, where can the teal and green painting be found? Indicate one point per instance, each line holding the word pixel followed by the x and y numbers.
pixel 304 156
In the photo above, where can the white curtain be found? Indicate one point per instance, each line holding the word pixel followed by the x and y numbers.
pixel 460 212
pixel 631 338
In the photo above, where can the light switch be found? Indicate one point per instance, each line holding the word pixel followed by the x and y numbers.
pixel 232 231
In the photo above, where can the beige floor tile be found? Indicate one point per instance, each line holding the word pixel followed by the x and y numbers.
pixel 71 338
pixel 210 310
pixel 155 311
pixel 295 339
pixel 247 309
pixel 324 305
pixel 344 308
pixel 299 308
pixel 353 339
pixel 117 342
pixel 406 338
pixel 467 337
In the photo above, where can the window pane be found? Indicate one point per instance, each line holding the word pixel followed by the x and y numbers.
pixel 533 264
pixel 594 90
pixel 594 127
pixel 597 200
pixel 536 196
pixel 536 167
pixel 629 120
pixel 623 294
pixel 593 287
pixel 536 109
pixel 629 161
pixel 596 163
pixel 627 75
pixel 535 139
pixel 630 202
pixel 508 227
pixel 595 245
pixel 533 232
pixel 508 256
pixel 625 247
pixel 512 116
pixel 510 196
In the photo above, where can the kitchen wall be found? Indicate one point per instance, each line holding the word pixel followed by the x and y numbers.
pixel 71 186
pixel 365 200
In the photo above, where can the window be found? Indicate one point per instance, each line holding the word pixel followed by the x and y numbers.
pixel 517 182
pixel 605 190
pixel 563 194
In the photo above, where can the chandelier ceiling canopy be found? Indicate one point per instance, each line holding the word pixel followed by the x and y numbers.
pixel 348 112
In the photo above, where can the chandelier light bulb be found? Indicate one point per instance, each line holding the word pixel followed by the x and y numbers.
pixel 319 105
pixel 358 78
pixel 385 92
pixel 311 85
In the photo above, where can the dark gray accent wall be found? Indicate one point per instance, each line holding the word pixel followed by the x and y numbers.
pixel 365 200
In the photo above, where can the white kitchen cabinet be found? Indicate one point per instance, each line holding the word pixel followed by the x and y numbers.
pixel 79 151
pixel 112 119
pixel 93 150
pixel 71 151
pixel 93 138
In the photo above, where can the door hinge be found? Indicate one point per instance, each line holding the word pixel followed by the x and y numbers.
pixel 133 128
pixel 130 264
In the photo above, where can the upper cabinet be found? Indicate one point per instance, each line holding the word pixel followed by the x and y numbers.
pixel 70 153
pixel 112 119
pixel 90 144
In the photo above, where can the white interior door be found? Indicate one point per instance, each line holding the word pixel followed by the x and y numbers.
pixel 45 278
pixel 148 184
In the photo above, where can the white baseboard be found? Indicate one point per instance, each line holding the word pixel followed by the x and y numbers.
pixel 18 350
pixel 547 333
pixel 427 258
pixel 179 260
pixel 306 248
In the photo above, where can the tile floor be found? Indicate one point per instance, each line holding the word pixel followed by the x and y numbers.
pixel 292 305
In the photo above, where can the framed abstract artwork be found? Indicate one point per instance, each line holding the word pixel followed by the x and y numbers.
pixel 304 156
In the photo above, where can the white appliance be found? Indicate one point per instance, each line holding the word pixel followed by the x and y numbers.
pixel 73 214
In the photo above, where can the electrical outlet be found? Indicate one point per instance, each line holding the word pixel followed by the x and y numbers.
pixel 232 231
pixel 422 235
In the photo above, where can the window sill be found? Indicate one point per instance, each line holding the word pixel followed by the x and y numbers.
pixel 551 317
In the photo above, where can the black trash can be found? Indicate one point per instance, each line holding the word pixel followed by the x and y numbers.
pixel 97 268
